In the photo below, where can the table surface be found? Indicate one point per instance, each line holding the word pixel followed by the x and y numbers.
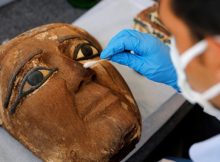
pixel 157 102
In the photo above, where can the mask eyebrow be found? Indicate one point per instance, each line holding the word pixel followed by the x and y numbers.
pixel 61 39
pixel 66 37
pixel 17 70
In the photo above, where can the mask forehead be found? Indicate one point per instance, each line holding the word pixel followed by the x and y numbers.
pixel 53 32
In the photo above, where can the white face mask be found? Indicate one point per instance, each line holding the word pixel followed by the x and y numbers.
pixel 180 62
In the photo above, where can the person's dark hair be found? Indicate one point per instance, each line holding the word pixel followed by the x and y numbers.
pixel 202 16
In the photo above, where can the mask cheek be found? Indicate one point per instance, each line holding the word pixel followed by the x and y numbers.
pixel 107 75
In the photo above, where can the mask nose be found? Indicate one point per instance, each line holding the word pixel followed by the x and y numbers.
pixel 87 76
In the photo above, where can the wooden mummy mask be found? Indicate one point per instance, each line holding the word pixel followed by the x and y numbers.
pixel 59 110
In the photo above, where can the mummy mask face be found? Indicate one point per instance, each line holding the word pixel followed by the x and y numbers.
pixel 58 109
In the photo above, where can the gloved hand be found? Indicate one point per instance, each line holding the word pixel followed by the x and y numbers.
pixel 144 53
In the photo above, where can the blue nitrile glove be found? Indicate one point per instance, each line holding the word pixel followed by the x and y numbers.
pixel 149 57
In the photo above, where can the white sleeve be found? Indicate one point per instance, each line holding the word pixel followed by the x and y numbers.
pixel 206 151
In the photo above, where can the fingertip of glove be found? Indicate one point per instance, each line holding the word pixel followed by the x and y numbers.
pixel 102 57
pixel 104 54
pixel 105 57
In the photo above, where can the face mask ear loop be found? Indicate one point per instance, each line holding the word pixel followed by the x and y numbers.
pixel 211 92
pixel 191 53
pixel 214 90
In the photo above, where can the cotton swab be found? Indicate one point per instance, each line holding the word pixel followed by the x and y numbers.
pixel 91 63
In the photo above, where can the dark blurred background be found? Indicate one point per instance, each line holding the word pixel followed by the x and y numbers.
pixel 21 15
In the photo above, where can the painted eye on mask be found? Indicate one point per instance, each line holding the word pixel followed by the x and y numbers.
pixel 85 51
pixel 32 81
pixel 35 78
